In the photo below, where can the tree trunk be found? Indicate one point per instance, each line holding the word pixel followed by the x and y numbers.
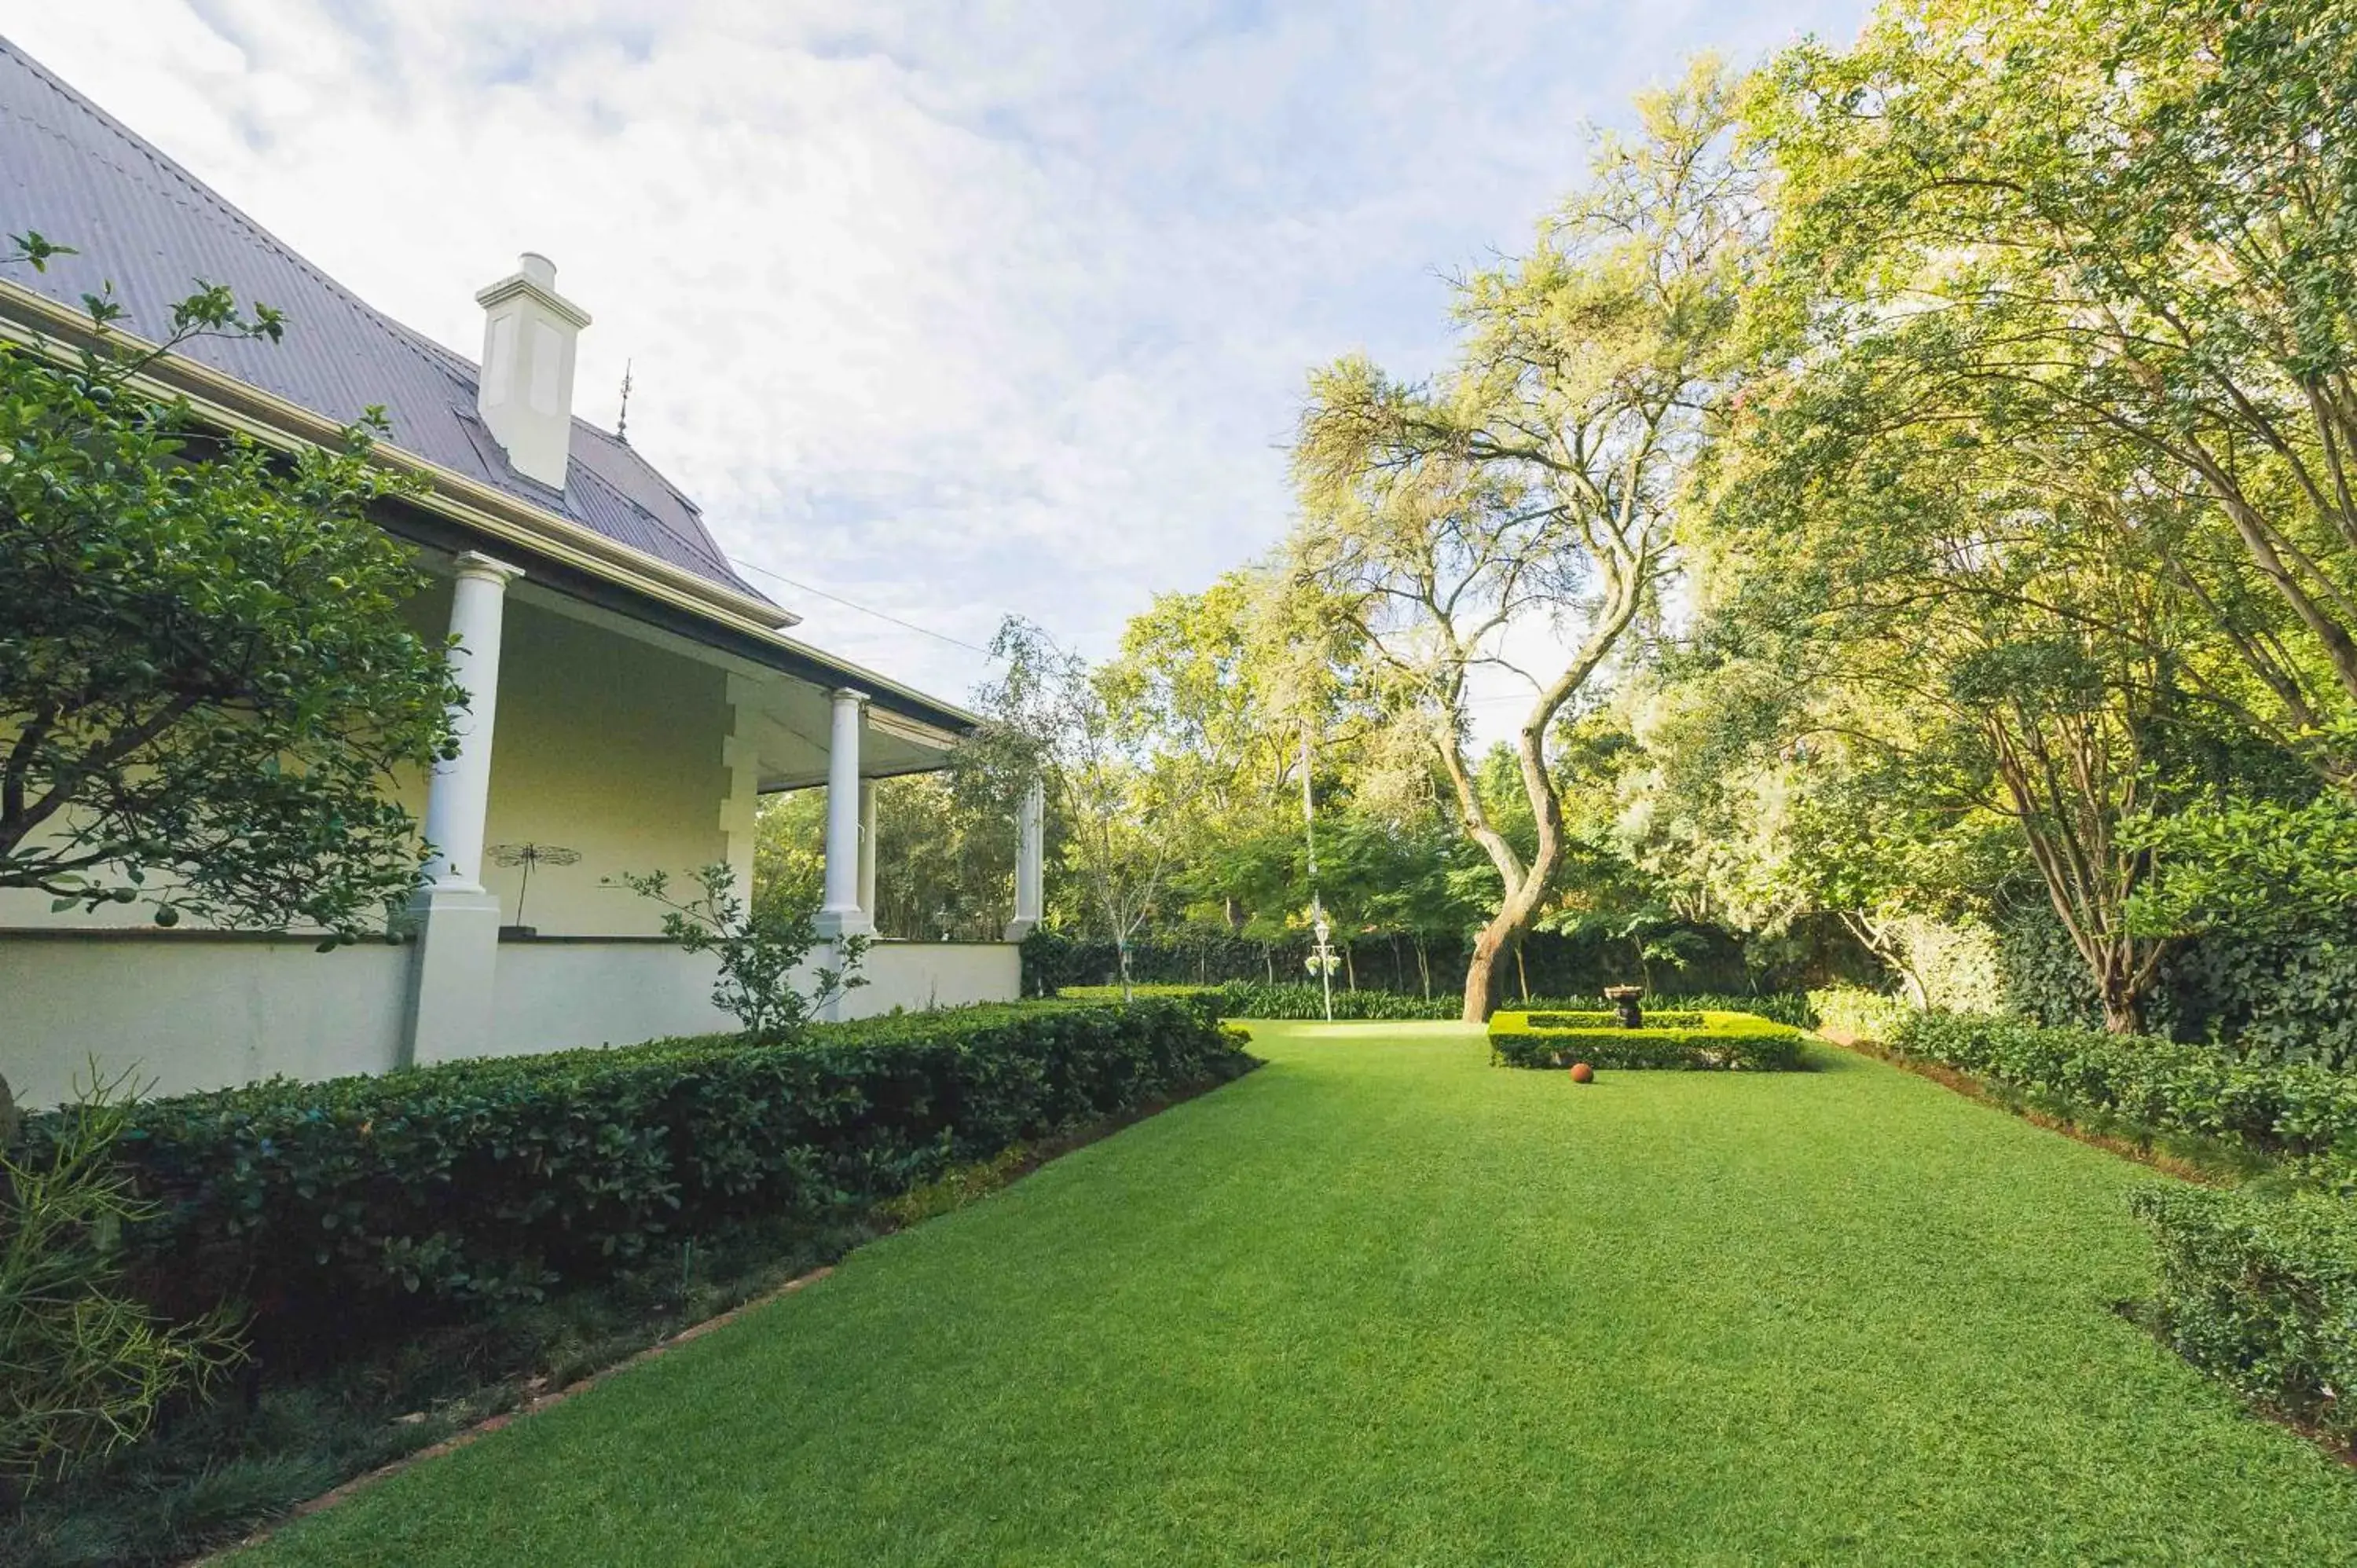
pixel 2125 986
pixel 1122 948
pixel 1424 968
pixel 1522 975
pixel 1481 971
pixel 1268 962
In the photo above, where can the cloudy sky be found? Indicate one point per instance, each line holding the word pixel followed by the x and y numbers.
pixel 947 310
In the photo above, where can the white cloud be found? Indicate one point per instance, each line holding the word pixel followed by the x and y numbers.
pixel 949 310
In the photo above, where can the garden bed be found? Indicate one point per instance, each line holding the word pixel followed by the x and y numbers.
pixel 357 1368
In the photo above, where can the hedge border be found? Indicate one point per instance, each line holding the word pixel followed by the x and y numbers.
pixel 464 1184
pixel 2262 1293
pixel 2297 1115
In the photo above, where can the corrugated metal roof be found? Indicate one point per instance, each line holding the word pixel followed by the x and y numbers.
pixel 139 219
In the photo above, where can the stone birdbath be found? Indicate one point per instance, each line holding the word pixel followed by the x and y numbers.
pixel 1624 999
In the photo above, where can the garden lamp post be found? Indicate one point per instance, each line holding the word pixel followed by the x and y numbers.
pixel 1321 957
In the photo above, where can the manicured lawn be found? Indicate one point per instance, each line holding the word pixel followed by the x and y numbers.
pixel 1381 1302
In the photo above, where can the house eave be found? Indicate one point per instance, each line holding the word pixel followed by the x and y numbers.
pixel 755 627
pixel 36 320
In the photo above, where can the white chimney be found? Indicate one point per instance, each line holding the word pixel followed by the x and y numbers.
pixel 526 392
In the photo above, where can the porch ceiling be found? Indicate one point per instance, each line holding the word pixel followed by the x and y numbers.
pixel 788 718
pixel 789 727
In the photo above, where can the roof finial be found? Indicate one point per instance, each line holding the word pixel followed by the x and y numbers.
pixel 622 424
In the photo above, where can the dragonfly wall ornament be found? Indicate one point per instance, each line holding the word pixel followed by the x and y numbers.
pixel 528 855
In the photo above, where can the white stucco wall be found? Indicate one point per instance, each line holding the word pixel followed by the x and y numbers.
pixel 612 748
pixel 190 1010
pixel 557 996
pixel 921 975
pixel 554 996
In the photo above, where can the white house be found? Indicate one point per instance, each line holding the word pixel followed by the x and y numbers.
pixel 632 696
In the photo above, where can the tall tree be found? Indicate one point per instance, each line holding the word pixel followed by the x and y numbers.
pixel 1048 716
pixel 1534 485
pixel 2126 223
pixel 1948 607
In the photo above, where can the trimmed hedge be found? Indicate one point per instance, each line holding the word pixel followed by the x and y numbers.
pixel 1294 1000
pixel 2263 1293
pixel 1737 1042
pixel 2300 1116
pixel 494 1179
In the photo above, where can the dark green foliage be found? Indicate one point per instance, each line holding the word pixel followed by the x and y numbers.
pixel 1302 1002
pixel 1556 964
pixel 2282 996
pixel 495 1180
pixel 205 676
pixel 1297 1000
pixel 2286 998
pixel 1050 962
pixel 211 1474
pixel 2263 1293
pixel 2042 976
pixel 1736 1042
pixel 2299 1114
pixel 1790 1007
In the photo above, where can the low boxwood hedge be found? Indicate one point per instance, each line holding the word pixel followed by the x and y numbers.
pixel 1694 1041
pixel 2263 1293
pixel 2302 1116
pixel 495 1179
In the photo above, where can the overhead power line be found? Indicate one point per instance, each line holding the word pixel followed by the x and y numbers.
pixel 863 609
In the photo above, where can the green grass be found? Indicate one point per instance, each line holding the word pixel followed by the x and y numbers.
pixel 1381 1302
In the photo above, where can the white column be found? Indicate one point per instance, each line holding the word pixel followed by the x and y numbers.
pixel 840 914
pixel 455 918
pixel 867 849
pixel 1030 863
pixel 458 796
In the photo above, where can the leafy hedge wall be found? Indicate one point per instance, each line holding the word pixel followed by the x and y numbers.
pixel 1817 950
pixel 2299 1114
pixel 1242 999
pixel 1693 1041
pixel 2263 1293
pixel 2285 998
pixel 495 1179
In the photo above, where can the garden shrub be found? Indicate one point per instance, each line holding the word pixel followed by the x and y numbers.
pixel 495 1179
pixel 1853 1012
pixel 87 1368
pixel 2263 1293
pixel 1792 1008
pixel 1693 1041
pixel 1295 1000
pixel 2300 1114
